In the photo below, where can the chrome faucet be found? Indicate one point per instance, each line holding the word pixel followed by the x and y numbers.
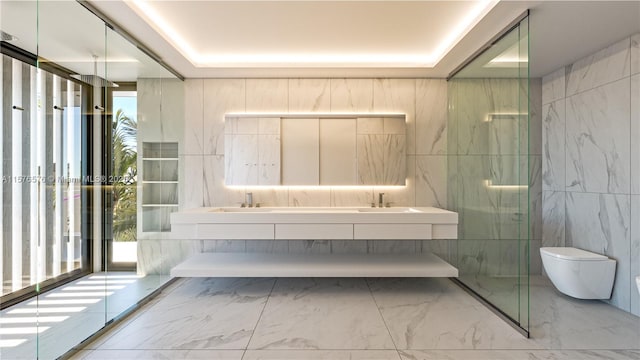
pixel 380 200
pixel 248 199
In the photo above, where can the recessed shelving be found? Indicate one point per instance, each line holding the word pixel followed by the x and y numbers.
pixel 159 185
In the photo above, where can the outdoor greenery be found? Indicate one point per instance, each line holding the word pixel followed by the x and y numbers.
pixel 125 156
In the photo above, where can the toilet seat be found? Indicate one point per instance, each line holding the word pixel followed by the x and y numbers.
pixel 571 253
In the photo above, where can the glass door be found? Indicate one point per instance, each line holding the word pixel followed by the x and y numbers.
pixel 488 124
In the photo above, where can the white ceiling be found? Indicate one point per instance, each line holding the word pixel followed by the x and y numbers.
pixel 326 39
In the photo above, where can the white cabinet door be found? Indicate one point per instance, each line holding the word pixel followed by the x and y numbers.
pixel 338 160
pixel 300 151
pixel 269 159
pixel 241 159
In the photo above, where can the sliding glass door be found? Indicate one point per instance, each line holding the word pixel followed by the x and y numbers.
pixel 41 178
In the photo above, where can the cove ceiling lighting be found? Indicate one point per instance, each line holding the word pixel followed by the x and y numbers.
pixel 151 13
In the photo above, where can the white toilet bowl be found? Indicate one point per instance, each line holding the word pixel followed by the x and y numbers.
pixel 579 273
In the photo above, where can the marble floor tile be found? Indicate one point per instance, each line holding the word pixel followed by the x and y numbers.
pixel 205 313
pixel 323 313
pixel 321 355
pixel 159 354
pixel 562 322
pixel 518 355
pixel 436 314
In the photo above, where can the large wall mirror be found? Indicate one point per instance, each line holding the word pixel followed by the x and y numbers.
pixel 331 150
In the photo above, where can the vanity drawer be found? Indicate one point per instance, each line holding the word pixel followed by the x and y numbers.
pixel 235 231
pixel 392 231
pixel 314 231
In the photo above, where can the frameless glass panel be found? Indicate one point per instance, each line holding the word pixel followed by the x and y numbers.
pixel 488 136
pixel 71 66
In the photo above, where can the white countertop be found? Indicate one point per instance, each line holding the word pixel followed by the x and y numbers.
pixel 317 215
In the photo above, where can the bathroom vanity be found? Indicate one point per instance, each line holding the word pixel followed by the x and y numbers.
pixel 317 223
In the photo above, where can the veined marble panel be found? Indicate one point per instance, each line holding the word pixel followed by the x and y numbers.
pixel 554 86
pixel 431 117
pixel 348 247
pixel 553 218
pixel 431 181
pixel 221 96
pixel 598 141
pixel 361 196
pixel 531 134
pixel 321 313
pixel 267 95
pixel 370 151
pixel 149 95
pixel 395 160
pixel 635 54
pixel 191 195
pixel 309 95
pixel 215 193
pixel 478 257
pixel 635 134
pixel 463 323
pixel 607 65
pixel 499 97
pixel 176 251
pixel 150 259
pixel 352 95
pixel 193 117
pixel 241 151
pixel 211 313
pixel 223 245
pixel 535 205
pixel 309 246
pixel 311 197
pixel 553 137
pixel 171 121
pixel 398 96
pixel 393 246
pixel 402 195
pixel 267 246
pixel 635 253
pixel 600 223
pixel 270 196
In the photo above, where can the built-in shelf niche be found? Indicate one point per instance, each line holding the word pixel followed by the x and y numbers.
pixel 159 185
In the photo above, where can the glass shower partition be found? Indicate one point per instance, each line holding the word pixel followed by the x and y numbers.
pixel 488 130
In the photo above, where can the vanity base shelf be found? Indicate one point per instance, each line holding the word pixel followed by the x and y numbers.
pixel 313 265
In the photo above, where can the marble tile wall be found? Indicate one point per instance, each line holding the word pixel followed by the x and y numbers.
pixel 591 160
pixel 202 154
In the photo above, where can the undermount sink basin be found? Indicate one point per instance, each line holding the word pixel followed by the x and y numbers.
pixel 389 210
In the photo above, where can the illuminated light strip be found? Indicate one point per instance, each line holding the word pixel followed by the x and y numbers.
pixel 89 287
pixel 489 184
pixel 52 310
pixel 32 319
pixel 64 302
pixel 11 343
pixel 151 16
pixel 23 330
pixel 491 116
pixel 80 294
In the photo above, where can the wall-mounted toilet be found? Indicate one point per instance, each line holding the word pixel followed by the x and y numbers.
pixel 579 273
